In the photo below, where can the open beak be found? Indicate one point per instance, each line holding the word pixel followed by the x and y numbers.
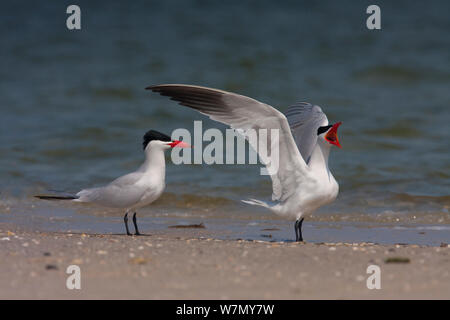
pixel 332 137
pixel 179 144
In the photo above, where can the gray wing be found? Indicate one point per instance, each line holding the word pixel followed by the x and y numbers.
pixel 120 193
pixel 304 120
pixel 241 112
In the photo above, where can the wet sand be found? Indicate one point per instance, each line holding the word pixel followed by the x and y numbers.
pixel 189 264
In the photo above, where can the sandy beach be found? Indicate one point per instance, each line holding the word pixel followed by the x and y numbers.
pixel 191 264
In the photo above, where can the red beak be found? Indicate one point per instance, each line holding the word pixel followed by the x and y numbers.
pixel 179 144
pixel 332 137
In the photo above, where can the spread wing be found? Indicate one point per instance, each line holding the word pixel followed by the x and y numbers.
pixel 304 120
pixel 241 112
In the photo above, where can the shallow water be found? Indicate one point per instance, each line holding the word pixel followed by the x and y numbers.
pixel 73 106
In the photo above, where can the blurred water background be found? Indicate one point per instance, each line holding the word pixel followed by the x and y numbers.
pixel 73 107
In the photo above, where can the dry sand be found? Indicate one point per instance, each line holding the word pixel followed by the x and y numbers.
pixel 189 264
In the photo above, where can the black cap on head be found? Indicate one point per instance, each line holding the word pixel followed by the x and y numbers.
pixel 154 135
pixel 323 129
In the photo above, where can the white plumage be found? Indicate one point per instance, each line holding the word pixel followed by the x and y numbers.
pixel 303 181
pixel 136 189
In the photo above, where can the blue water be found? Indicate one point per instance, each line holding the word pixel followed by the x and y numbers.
pixel 73 106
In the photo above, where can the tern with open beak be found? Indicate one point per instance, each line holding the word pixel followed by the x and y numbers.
pixel 303 181
pixel 136 189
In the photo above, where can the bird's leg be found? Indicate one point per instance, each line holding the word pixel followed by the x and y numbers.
pixel 298 230
pixel 135 225
pixel 125 220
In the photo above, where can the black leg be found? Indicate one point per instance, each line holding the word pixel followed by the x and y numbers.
pixel 298 230
pixel 125 220
pixel 135 225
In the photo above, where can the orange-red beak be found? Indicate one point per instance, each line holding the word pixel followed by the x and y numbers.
pixel 179 144
pixel 332 137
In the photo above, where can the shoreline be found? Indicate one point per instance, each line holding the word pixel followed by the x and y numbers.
pixel 189 264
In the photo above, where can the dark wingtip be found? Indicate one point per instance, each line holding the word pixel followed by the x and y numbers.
pixel 154 87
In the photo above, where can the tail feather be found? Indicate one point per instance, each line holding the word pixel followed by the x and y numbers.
pixel 44 197
pixel 256 202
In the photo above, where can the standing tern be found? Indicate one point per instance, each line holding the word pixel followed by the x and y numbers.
pixel 136 189
pixel 303 181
